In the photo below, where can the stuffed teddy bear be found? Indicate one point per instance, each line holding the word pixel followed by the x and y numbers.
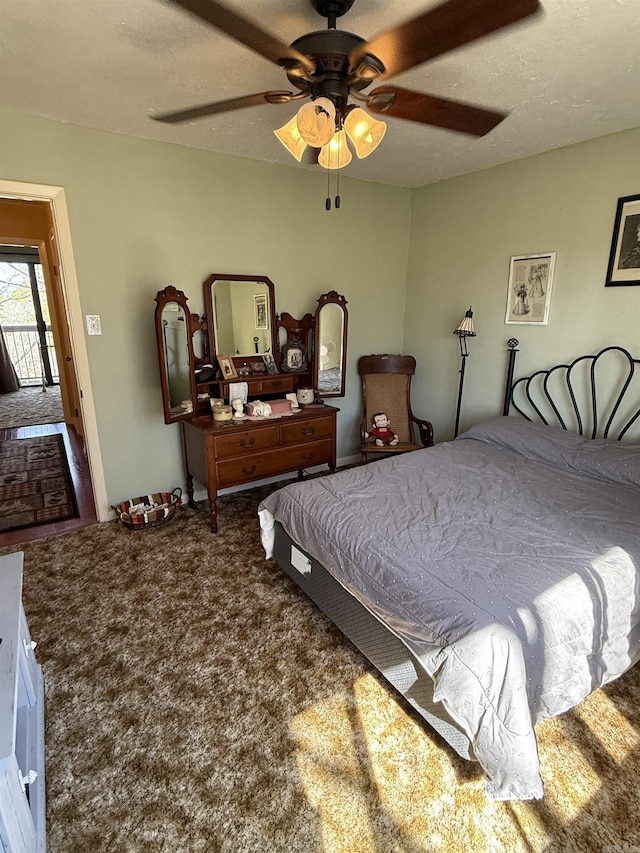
pixel 382 432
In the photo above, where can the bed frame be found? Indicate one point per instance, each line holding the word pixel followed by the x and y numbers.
pixel 593 395
pixel 601 394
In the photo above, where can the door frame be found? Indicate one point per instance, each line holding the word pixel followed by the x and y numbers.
pixel 56 197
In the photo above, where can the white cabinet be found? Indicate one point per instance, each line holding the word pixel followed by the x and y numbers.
pixel 22 804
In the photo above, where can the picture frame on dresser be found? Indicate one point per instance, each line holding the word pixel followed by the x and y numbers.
pixel 294 357
pixel 624 256
pixel 227 366
pixel 270 362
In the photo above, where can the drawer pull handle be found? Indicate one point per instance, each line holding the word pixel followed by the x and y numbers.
pixel 244 443
pixel 277 383
pixel 308 455
pixel 309 431
pixel 253 468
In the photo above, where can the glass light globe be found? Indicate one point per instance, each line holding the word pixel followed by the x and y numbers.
pixel 336 154
pixel 317 122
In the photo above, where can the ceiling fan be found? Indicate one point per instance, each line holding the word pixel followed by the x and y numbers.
pixel 331 66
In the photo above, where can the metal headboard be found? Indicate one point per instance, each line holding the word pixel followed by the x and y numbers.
pixel 595 395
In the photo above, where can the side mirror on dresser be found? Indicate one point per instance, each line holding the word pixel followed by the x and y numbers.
pixel 177 332
pixel 330 351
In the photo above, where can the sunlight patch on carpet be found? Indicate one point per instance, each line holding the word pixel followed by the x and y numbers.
pixel 621 736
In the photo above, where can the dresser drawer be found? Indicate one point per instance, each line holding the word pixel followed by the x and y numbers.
pixel 306 455
pixel 242 442
pixel 276 384
pixel 254 466
pixel 310 430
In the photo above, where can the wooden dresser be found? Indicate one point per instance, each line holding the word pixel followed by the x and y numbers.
pixel 232 453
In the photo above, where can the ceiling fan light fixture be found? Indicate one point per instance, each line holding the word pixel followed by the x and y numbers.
pixel 290 137
pixel 364 131
pixel 317 122
pixel 335 154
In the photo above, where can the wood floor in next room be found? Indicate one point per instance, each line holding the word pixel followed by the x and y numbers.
pixel 79 468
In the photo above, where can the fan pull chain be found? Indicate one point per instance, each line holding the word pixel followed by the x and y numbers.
pixel 327 203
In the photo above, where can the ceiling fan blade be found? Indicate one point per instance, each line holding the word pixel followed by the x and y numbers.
pixel 429 109
pixel 436 31
pixel 249 34
pixel 204 110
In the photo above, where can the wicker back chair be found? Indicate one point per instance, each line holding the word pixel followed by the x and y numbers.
pixel 386 387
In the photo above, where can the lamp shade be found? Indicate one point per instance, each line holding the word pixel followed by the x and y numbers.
pixel 365 132
pixel 290 137
pixel 317 122
pixel 336 154
pixel 465 328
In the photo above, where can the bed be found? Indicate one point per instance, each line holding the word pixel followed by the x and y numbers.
pixel 493 580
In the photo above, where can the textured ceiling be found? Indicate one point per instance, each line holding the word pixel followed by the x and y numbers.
pixel 567 76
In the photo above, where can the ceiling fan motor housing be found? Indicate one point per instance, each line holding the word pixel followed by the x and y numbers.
pixel 329 50
pixel 332 8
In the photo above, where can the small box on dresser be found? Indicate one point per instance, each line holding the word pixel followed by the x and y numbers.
pixel 22 790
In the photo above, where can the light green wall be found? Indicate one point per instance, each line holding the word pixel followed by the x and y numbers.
pixel 145 214
pixel 465 231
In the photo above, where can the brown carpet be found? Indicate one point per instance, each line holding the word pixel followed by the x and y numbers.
pixel 35 483
pixel 31 405
pixel 196 700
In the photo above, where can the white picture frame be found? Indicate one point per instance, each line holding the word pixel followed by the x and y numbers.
pixel 529 290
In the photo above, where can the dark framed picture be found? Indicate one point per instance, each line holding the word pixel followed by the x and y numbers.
pixel 294 357
pixel 624 258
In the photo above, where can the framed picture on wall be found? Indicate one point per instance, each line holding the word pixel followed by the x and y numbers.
pixel 260 305
pixel 529 292
pixel 624 257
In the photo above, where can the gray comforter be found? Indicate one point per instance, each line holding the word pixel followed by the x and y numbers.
pixel 508 561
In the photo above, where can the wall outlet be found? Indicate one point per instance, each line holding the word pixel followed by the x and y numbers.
pixel 93 324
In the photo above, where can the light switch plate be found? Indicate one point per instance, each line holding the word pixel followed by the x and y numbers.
pixel 93 324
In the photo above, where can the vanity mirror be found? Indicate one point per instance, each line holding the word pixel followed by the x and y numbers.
pixel 174 337
pixel 330 353
pixel 241 316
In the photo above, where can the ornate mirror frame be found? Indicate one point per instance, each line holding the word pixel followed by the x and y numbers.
pixel 258 314
pixel 176 358
pixel 331 321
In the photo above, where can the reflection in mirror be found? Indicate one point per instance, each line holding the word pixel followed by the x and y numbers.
pixel 176 354
pixel 240 311
pixel 331 345
pixel 199 344
pixel 173 337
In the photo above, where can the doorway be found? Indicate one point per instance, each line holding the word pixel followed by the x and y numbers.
pixel 35 216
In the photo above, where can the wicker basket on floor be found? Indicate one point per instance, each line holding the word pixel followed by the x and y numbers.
pixel 148 510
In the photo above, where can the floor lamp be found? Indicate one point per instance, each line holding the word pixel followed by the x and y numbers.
pixel 463 330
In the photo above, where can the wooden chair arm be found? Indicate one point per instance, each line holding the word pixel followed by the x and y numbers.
pixel 425 429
